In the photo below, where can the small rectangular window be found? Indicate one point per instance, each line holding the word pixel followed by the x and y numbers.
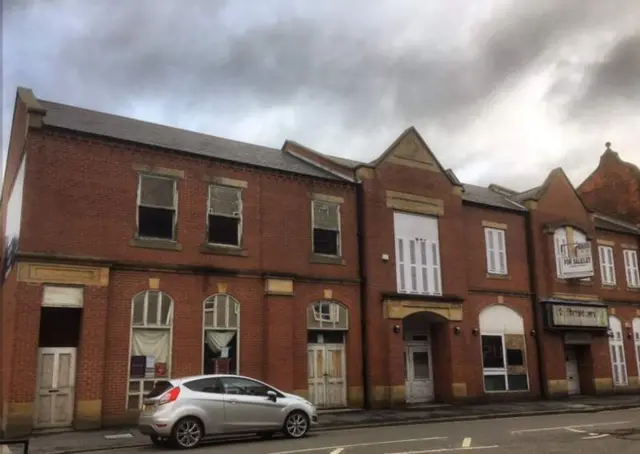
pixel 631 268
pixel 224 219
pixel 492 352
pixel 607 268
pixel 496 249
pixel 326 227
pixel 157 206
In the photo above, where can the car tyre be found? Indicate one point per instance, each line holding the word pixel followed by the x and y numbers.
pixel 296 425
pixel 187 433
pixel 162 442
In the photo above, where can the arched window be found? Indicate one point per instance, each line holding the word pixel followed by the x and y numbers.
pixel 616 345
pixel 636 337
pixel 150 352
pixel 573 254
pixel 221 326
pixel 504 359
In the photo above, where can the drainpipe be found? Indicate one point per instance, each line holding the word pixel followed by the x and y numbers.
pixel 363 292
pixel 531 256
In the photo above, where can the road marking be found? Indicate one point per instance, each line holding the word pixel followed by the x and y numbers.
pixel 355 445
pixel 466 442
pixel 445 450
pixel 594 436
pixel 337 451
pixel 570 427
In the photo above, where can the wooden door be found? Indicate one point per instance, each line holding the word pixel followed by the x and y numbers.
pixel 56 387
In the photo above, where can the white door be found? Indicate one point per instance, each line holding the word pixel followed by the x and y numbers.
pixel 327 377
pixel 571 366
pixel 56 387
pixel 418 371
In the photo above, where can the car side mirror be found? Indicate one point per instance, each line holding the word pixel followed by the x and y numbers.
pixel 272 395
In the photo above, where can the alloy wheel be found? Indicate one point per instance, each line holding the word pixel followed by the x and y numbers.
pixel 188 433
pixel 296 425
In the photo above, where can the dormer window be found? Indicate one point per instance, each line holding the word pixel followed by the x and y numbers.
pixel 573 254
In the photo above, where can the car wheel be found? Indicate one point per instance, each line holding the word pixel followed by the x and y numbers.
pixel 162 442
pixel 296 425
pixel 187 433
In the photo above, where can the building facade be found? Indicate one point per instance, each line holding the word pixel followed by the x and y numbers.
pixel 135 252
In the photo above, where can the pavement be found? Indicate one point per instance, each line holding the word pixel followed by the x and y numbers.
pixel 409 427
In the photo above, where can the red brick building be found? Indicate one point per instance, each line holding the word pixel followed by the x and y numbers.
pixel 163 252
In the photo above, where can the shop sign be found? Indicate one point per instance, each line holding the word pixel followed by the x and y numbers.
pixel 579 316
pixel 576 261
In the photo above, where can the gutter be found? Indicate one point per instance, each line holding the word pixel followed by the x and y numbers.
pixel 531 256
pixel 363 294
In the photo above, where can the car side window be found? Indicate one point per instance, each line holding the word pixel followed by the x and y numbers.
pixel 206 385
pixel 243 387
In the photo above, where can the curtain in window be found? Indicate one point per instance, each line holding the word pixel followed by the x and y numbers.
pixel 217 340
pixel 149 342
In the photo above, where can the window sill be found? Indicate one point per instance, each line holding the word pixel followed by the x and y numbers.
pixel 222 250
pixel 504 277
pixel 633 289
pixel 610 287
pixel 576 281
pixel 166 245
pixel 326 259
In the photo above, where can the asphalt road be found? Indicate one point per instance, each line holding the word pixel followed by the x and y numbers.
pixel 611 432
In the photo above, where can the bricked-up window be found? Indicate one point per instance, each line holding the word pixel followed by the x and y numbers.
pixel 157 207
pixel 496 249
pixel 636 338
pixel 151 339
pixel 631 268
pixel 225 215
pixel 616 348
pixel 417 254
pixel 326 227
pixel 221 334
pixel 607 267
pixel 503 350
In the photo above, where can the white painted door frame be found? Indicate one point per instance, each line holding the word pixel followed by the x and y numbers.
pixel 320 382
pixel 55 389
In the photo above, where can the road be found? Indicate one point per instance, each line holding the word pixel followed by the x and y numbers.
pixel 594 433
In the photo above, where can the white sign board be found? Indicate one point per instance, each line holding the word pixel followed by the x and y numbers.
pixel 579 316
pixel 576 261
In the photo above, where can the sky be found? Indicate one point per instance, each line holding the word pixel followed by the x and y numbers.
pixel 501 91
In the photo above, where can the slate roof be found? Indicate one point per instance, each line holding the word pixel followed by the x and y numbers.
pixel 529 194
pixel 130 129
pixel 486 196
pixel 608 223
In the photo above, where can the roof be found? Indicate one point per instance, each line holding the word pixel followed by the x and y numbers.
pixel 142 132
pixel 608 223
pixel 489 197
pixel 529 194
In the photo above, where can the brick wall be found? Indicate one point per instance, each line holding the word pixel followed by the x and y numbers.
pixel 613 188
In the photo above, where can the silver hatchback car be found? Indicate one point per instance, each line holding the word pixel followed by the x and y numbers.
pixel 181 412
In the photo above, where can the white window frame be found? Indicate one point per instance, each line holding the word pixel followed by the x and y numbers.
pixel 631 268
pixel 227 327
pixel 636 337
pixel 425 261
pixel 502 371
pixel 145 326
pixel 496 253
pixel 559 239
pixel 616 344
pixel 607 265
pixel 240 216
pixel 174 231
pixel 339 230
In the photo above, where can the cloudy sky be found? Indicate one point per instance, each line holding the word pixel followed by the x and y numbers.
pixel 502 91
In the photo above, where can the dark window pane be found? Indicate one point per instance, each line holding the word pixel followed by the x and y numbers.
pixel 325 337
pixel 518 382
pixel 515 357
pixel 155 223
pixel 155 191
pixel 159 388
pixel 244 387
pixel 325 242
pixel 494 383
pixel 215 363
pixel 206 385
pixel 492 354
pixel 223 230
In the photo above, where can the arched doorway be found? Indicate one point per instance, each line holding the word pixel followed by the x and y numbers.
pixel 418 357
pixel 327 326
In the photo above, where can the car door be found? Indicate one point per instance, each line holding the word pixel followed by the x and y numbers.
pixel 207 395
pixel 247 407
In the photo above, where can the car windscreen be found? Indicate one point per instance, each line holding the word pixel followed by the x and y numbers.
pixel 160 387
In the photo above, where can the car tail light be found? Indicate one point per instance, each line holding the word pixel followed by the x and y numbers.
pixel 169 396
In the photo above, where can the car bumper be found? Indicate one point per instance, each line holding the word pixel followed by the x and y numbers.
pixel 155 426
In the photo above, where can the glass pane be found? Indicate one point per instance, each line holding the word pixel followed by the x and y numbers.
pixel 133 402
pixel 224 200
pixel 221 311
pixel 421 365
pixel 493 355
pixel 165 314
pixel 152 310
pixel 134 387
pixel 208 319
pixel 494 383
pixel 518 382
pixel 325 215
pixel 156 191
pixel 138 311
